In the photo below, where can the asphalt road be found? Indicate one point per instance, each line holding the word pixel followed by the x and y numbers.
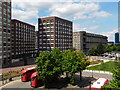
pixel 79 84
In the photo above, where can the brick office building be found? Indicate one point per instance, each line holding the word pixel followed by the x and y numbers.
pixel 54 32
pixel 23 40
pixel 5 33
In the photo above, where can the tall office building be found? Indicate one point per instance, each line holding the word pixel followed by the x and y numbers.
pixel 23 40
pixel 54 32
pixel 5 32
pixel 84 41
pixel 117 37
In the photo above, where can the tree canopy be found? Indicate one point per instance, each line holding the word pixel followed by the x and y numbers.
pixel 50 65
pixel 115 83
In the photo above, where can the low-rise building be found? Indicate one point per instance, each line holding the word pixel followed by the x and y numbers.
pixel 84 41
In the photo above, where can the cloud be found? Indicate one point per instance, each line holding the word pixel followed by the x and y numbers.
pixel 110 34
pixel 77 11
pixel 101 14
pixel 27 10
pixel 24 15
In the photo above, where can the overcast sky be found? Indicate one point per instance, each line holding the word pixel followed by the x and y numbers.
pixel 94 17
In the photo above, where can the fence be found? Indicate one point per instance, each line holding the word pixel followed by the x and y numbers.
pixel 104 72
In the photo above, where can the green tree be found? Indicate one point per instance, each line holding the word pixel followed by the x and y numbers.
pixel 118 48
pixel 108 48
pixel 82 62
pixel 48 66
pixel 100 49
pixel 114 48
pixel 115 83
pixel 74 61
pixel 92 51
pixel 69 64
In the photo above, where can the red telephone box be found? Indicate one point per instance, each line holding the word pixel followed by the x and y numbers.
pixel 26 74
pixel 35 82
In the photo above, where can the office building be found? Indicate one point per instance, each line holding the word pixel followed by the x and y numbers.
pixel 23 40
pixel 84 41
pixel 5 33
pixel 54 32
pixel 117 38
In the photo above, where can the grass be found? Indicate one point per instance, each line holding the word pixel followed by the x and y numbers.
pixel 11 74
pixel 108 66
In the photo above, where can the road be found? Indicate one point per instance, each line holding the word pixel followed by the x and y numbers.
pixel 79 84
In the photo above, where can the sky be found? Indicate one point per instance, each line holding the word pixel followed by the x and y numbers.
pixel 94 17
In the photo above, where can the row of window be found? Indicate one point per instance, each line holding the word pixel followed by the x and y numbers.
pixel 20 25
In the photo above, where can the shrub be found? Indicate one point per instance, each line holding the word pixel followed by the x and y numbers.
pixel 11 74
pixel 109 87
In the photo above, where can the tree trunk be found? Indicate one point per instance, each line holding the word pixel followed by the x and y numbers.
pixel 66 75
pixel 80 75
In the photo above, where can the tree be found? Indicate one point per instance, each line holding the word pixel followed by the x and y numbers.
pixel 92 51
pixel 82 62
pixel 73 61
pixel 100 49
pixel 108 48
pixel 48 66
pixel 115 83
pixel 69 64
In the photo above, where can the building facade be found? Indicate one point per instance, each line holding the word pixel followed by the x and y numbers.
pixel 117 38
pixel 54 32
pixel 23 40
pixel 84 41
pixel 36 44
pixel 5 32
pixel 36 40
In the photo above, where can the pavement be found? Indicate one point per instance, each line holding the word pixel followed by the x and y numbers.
pixel 86 76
